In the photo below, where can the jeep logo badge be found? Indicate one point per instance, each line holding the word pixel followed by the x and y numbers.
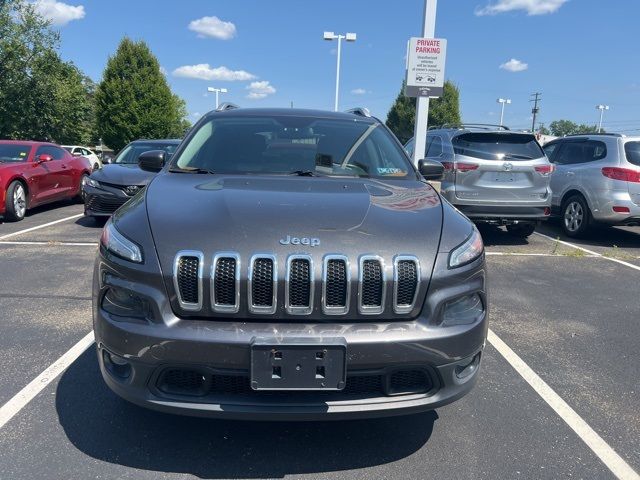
pixel 289 240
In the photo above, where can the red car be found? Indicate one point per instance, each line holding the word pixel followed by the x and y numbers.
pixel 35 173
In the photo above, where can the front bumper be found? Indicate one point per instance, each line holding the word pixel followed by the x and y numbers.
pixel 103 201
pixel 211 360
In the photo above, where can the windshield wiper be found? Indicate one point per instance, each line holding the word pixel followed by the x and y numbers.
pixel 304 173
pixel 191 170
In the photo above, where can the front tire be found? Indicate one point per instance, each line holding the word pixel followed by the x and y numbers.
pixel 521 230
pixel 16 201
pixel 576 216
pixel 81 194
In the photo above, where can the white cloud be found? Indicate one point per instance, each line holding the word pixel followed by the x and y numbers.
pixel 203 71
pixel 514 65
pixel 258 90
pixel 213 27
pixel 532 7
pixel 59 13
pixel 359 91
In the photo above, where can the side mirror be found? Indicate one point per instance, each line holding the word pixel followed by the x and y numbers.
pixel 152 161
pixel 44 158
pixel 431 169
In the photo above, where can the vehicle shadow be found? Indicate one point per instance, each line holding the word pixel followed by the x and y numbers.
pixel 107 428
pixel 42 209
pixel 598 236
pixel 91 222
pixel 493 235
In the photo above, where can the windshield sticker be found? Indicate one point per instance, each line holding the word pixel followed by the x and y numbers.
pixel 390 171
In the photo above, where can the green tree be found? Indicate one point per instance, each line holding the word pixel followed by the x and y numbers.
pixel 402 115
pixel 134 100
pixel 560 128
pixel 41 96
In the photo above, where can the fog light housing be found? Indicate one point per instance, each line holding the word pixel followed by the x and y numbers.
pixel 463 311
pixel 465 371
pixel 116 366
pixel 124 303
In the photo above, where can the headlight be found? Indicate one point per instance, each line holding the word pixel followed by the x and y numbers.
pixel 119 245
pixel 470 250
pixel 92 182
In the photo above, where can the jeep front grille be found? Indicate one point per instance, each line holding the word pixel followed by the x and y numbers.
pixel 405 283
pixel 263 284
pixel 335 285
pixel 225 283
pixel 299 285
pixel 371 285
pixel 187 278
pixel 229 294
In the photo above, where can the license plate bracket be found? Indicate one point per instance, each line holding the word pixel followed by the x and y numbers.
pixel 298 364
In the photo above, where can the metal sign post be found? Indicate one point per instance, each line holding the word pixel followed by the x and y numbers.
pixel 422 106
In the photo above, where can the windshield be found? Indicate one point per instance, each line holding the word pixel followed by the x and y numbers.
pixel 632 151
pixel 130 154
pixel 497 146
pixel 14 153
pixel 294 145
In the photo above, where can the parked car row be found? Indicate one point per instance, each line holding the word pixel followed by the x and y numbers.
pixel 499 176
pixel 36 173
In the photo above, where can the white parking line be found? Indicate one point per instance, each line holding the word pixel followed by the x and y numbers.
pixel 590 252
pixel 518 254
pixel 52 243
pixel 588 435
pixel 20 232
pixel 28 393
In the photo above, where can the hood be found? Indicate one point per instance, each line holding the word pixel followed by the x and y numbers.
pixel 122 174
pixel 249 215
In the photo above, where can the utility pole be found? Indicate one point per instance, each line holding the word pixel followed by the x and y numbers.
pixel 422 104
pixel 536 98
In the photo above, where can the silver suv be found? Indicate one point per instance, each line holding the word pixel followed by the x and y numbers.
pixel 597 180
pixel 493 174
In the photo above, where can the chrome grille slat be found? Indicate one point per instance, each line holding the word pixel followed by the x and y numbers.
pixel 225 282
pixel 336 285
pixel 299 285
pixel 371 285
pixel 187 279
pixel 406 283
pixel 263 284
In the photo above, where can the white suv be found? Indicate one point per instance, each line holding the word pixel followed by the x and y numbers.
pixel 79 151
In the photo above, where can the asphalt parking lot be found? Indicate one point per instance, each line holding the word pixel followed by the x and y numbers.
pixel 564 333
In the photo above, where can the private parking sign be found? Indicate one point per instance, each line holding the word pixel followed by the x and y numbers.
pixel 425 67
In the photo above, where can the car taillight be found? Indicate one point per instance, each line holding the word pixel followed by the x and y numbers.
pixel 465 167
pixel 545 170
pixel 447 165
pixel 621 209
pixel 624 174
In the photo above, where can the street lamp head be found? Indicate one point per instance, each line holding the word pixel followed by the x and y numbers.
pixel 223 90
pixel 602 107
pixel 329 36
pixel 350 37
pixel 508 101
pixel 211 89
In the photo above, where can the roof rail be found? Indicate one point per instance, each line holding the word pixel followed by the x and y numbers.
pixel 482 126
pixel 361 111
pixel 226 106
pixel 609 134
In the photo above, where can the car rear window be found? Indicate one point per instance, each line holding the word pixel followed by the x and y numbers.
pixel 632 151
pixel 130 154
pixel 14 153
pixel 497 146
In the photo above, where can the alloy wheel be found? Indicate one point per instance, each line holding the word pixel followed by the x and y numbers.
pixel 19 201
pixel 573 216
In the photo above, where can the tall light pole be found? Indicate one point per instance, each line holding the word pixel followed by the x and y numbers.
pixel 422 104
pixel 503 101
pixel 218 91
pixel 349 37
pixel 602 108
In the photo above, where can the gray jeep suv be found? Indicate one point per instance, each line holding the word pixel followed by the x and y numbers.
pixel 597 180
pixel 289 264
pixel 493 174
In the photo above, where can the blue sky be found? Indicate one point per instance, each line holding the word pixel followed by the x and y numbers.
pixel 578 53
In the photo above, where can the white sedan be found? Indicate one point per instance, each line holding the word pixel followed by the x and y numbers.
pixel 79 151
